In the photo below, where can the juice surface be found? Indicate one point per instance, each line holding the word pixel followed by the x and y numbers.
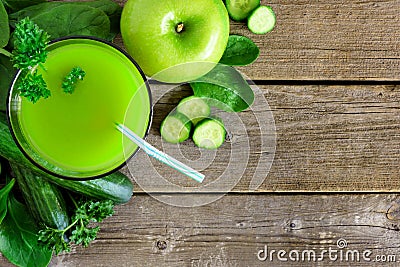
pixel 76 131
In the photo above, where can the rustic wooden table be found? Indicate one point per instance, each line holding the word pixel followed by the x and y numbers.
pixel 328 114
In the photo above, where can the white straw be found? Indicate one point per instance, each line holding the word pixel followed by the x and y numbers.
pixel 159 155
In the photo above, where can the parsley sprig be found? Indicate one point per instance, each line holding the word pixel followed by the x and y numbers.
pixel 33 87
pixel 69 83
pixel 81 229
pixel 29 51
pixel 29 45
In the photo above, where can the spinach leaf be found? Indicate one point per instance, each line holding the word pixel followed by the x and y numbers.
pixel 224 88
pixel 67 19
pixel 15 5
pixel 4 197
pixel 7 72
pixel 107 7
pixel 72 19
pixel 240 51
pixel 19 239
pixel 111 9
pixel 4 27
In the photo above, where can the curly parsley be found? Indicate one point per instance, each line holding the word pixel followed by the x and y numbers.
pixel 29 51
pixel 87 212
pixel 69 83
pixel 33 87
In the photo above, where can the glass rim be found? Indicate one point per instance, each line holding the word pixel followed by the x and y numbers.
pixel 124 163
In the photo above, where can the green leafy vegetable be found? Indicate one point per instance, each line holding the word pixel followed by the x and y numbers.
pixel 72 78
pixel 19 239
pixel 7 72
pixel 111 9
pixel 87 211
pixel 240 51
pixel 60 19
pixel 225 88
pixel 33 87
pixel 4 28
pixel 30 44
pixel 15 5
pixel 4 198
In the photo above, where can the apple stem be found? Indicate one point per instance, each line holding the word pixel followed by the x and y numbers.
pixel 179 27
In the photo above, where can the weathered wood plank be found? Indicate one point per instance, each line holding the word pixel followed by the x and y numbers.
pixel 231 231
pixel 328 138
pixel 327 40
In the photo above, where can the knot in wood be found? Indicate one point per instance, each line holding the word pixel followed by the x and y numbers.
pixel 161 244
pixel 393 213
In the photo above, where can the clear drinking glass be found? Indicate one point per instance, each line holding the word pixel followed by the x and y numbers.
pixel 73 136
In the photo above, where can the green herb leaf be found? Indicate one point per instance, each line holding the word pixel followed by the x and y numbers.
pixel 4 27
pixel 66 19
pixel 84 235
pixel 33 87
pixel 54 240
pixel 30 44
pixel 4 198
pixel 224 88
pixel 18 238
pixel 240 51
pixel 95 211
pixel 87 211
pixel 72 78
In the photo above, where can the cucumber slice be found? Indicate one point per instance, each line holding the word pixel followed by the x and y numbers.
pixel 209 133
pixel 195 108
pixel 241 9
pixel 175 128
pixel 262 20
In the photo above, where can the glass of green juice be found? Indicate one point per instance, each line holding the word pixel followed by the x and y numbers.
pixel 73 136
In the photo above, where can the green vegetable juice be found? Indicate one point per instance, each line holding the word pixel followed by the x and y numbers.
pixel 76 132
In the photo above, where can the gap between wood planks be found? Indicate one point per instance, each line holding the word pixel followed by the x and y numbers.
pixel 311 82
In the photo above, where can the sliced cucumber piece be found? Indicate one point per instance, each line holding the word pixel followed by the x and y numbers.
pixel 262 20
pixel 175 128
pixel 241 9
pixel 195 108
pixel 209 133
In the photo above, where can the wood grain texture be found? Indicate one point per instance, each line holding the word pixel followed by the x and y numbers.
pixel 328 138
pixel 231 231
pixel 327 40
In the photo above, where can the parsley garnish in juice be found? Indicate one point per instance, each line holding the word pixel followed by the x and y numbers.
pixel 69 83
pixel 29 53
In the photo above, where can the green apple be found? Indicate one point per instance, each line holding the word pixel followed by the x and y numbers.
pixel 175 40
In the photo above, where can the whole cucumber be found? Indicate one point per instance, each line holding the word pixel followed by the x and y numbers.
pixel 116 186
pixel 43 199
